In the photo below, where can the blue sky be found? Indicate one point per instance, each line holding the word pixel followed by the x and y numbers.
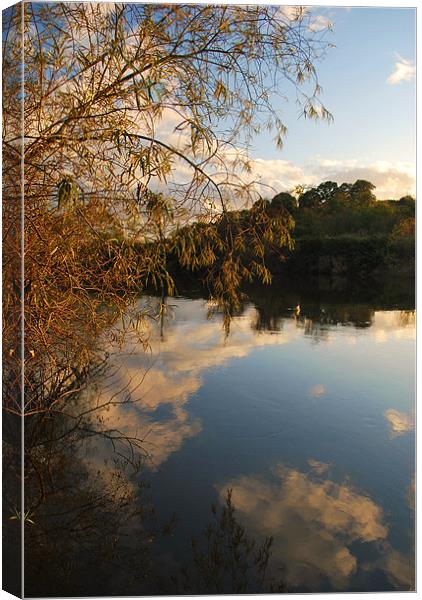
pixel 374 126
pixel 373 135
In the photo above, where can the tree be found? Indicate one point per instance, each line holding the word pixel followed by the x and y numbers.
pixel 408 204
pixel 108 88
pixel 361 192
pixel 284 201
pixel 407 200
pixel 309 199
pixel 226 560
pixel 327 191
pixel 358 194
pixel 137 121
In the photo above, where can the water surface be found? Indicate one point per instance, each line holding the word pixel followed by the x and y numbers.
pixel 304 409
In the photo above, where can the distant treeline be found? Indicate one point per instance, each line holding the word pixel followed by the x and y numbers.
pixel 339 231
pixel 343 230
pixel 353 209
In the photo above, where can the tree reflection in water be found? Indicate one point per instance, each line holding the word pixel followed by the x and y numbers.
pixel 226 560
pixel 91 522
pixel 317 310
pixel 90 527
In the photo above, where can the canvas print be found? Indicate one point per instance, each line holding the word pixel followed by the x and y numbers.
pixel 208 299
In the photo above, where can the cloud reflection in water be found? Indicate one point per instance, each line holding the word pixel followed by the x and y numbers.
pixel 315 523
pixel 181 351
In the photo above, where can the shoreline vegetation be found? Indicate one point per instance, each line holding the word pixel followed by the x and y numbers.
pixel 345 234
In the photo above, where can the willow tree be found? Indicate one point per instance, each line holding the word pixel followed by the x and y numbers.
pixel 138 120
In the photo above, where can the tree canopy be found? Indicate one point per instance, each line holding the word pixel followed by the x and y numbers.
pixel 359 193
pixel 125 98
pixel 331 210
pixel 138 119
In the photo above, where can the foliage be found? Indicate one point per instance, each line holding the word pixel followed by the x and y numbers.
pixel 344 230
pixel 284 201
pixel 137 122
pixel 329 193
pixel 405 228
pixel 331 210
pixel 253 235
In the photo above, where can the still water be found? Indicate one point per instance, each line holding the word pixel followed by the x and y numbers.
pixel 304 408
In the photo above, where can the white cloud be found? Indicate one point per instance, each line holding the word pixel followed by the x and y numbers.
pixel 319 23
pixel 317 525
pixel 400 569
pixel 404 70
pixel 292 13
pixel 392 180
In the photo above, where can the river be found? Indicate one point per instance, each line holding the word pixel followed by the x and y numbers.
pixel 303 407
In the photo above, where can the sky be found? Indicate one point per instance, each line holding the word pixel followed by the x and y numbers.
pixel 369 86
pixel 368 82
